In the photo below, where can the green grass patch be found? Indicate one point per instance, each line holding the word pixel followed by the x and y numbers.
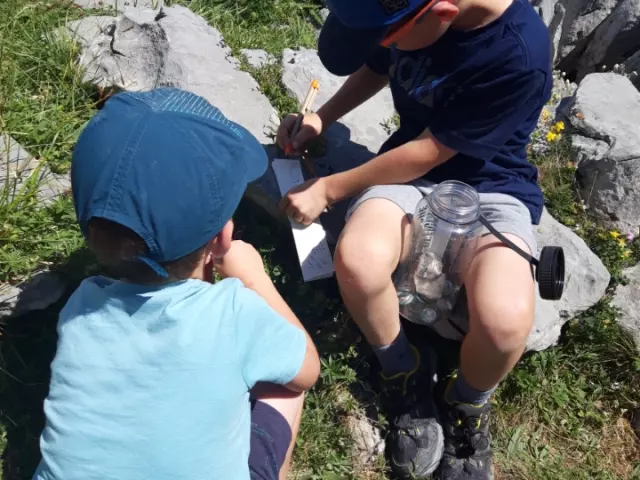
pixel 270 25
pixel 43 106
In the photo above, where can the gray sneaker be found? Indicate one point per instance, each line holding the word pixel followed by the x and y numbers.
pixel 415 443
pixel 467 454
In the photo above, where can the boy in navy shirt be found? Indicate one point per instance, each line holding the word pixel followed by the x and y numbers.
pixel 469 79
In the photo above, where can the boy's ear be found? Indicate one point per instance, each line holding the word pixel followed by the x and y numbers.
pixel 221 243
pixel 446 10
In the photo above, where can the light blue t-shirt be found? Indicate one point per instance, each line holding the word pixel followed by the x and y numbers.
pixel 153 382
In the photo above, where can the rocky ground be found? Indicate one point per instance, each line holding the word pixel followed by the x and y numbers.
pixel 587 148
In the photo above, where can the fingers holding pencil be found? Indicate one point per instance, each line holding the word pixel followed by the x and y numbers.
pixel 295 130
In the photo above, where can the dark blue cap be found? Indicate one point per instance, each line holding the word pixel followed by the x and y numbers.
pixel 354 28
pixel 167 165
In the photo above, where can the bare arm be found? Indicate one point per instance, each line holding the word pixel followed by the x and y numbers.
pixel 359 87
pixel 400 165
pixel 310 370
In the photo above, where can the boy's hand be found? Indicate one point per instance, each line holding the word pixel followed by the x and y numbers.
pixel 310 128
pixel 306 202
pixel 243 262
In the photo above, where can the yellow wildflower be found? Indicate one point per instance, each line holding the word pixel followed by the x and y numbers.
pixel 606 321
pixel 626 253
pixel 621 242
pixel 551 136
pixel 545 114
pixel 558 127
pixel 614 234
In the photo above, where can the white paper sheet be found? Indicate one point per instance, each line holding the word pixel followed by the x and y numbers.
pixel 311 242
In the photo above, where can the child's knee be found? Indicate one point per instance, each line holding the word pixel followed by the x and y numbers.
pixel 504 322
pixel 365 262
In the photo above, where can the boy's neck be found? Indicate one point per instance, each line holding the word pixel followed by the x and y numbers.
pixel 478 13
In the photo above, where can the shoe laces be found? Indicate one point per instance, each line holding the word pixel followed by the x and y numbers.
pixel 468 434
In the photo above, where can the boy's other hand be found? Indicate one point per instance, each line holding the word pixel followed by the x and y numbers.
pixel 310 128
pixel 306 202
pixel 242 261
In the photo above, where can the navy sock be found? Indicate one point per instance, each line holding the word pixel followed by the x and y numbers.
pixel 397 357
pixel 462 392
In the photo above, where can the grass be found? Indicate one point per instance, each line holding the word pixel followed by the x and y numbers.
pixel 561 414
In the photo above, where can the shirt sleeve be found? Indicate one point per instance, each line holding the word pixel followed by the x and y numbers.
pixel 479 118
pixel 380 61
pixel 270 348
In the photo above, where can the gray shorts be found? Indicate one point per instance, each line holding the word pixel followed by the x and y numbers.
pixel 504 212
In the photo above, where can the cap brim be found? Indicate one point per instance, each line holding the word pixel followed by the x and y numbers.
pixel 344 50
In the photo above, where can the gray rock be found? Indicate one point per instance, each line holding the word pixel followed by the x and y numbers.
pixel 632 68
pixel 119 5
pixel 18 167
pixel 589 34
pixel 571 21
pixel 368 444
pixel 146 49
pixel 610 43
pixel 586 281
pixel 86 30
pixel 627 299
pixel 552 13
pixel 36 293
pixel 324 14
pixel 604 116
pixel 257 58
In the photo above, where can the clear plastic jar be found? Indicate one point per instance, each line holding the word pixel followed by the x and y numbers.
pixel 444 226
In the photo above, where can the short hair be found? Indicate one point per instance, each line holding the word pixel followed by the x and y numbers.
pixel 118 248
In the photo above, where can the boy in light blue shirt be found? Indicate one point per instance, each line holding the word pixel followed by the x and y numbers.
pixel 161 373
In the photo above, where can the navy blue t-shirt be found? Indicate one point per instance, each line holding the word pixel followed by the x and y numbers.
pixel 480 92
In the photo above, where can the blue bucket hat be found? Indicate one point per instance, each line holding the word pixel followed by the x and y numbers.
pixel 165 164
pixel 354 28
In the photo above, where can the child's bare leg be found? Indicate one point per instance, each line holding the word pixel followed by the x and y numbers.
pixel 289 405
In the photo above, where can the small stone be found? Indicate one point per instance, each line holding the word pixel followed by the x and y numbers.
pixel 428 316
pixel 405 297
pixel 429 267
pixel 257 58
pixel 368 444
pixel 431 289
pixel 36 293
pixel 119 4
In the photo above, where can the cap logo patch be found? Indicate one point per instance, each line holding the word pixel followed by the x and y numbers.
pixel 393 6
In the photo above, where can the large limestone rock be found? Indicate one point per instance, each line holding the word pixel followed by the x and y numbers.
pixel 18 167
pixel 38 292
pixel 144 49
pixel 118 5
pixel 627 299
pixel 611 42
pixel 586 281
pixel 570 21
pixel 588 34
pixel 605 117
